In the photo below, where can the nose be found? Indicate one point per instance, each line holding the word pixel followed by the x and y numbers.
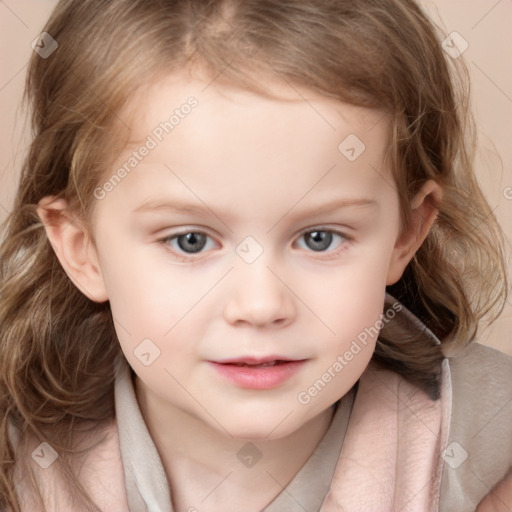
pixel 259 297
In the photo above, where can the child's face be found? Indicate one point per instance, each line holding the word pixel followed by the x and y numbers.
pixel 250 176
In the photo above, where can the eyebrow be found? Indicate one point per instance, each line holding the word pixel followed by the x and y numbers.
pixel 170 204
pixel 178 206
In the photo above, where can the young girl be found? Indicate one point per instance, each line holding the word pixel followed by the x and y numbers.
pixel 316 350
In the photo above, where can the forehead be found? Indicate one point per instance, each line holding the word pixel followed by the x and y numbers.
pixel 287 110
pixel 216 136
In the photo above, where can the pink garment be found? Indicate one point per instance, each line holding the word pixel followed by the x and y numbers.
pixel 101 474
pixel 391 457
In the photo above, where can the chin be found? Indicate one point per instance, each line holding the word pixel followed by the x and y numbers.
pixel 256 435
pixel 265 429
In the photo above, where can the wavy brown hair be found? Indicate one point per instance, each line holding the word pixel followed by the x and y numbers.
pixel 58 349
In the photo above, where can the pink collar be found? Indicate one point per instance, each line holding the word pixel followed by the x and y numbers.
pixel 392 455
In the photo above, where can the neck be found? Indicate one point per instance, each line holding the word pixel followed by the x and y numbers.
pixel 209 469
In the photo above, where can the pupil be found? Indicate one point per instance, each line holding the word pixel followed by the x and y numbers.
pixel 192 242
pixel 320 240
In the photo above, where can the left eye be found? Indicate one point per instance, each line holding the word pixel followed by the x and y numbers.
pixel 319 240
pixel 190 243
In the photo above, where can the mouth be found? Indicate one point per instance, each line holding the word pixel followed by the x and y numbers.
pixel 258 361
pixel 260 365
pixel 258 373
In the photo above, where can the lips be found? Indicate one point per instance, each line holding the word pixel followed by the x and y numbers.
pixel 259 365
pixel 255 361
pixel 258 373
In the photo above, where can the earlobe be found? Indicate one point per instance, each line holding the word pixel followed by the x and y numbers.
pixel 423 215
pixel 73 247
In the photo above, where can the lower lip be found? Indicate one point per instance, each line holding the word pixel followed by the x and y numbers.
pixel 258 377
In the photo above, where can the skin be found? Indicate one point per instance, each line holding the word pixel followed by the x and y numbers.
pixel 500 498
pixel 262 168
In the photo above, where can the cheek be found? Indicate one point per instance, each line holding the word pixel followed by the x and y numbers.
pixel 348 303
pixel 357 325
pixel 140 307
pixel 351 305
pixel 156 309
pixel 350 297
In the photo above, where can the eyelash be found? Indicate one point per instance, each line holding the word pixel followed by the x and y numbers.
pixel 345 242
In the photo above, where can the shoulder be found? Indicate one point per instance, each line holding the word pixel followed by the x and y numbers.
pixel 479 448
pixel 102 473
pixel 99 471
pixel 482 362
pixel 481 378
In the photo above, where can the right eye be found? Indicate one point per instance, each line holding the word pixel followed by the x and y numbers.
pixel 189 242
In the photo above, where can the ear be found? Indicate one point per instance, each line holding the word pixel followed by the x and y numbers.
pixel 424 213
pixel 73 247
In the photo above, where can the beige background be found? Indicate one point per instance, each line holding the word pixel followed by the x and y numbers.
pixel 484 24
